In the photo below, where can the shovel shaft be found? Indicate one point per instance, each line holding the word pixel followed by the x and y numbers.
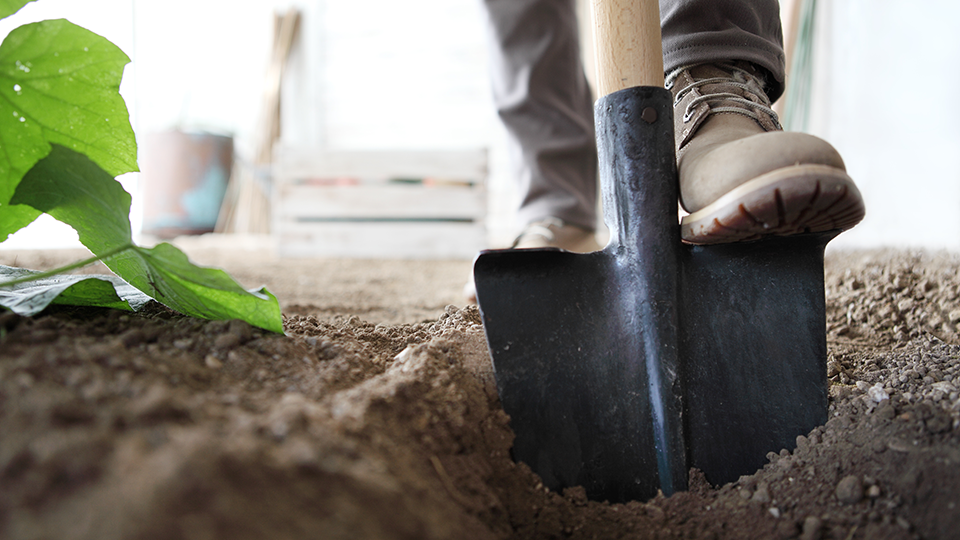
pixel 627 38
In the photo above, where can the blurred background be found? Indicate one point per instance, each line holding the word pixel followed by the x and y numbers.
pixel 366 128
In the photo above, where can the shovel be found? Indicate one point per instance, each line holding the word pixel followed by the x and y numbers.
pixel 624 368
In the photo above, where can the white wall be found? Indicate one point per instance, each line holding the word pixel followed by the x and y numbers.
pixel 887 71
pixel 397 76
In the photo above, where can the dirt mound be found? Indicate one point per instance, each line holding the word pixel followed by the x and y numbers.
pixel 158 426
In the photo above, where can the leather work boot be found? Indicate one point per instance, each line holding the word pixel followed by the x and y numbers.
pixel 741 176
pixel 546 233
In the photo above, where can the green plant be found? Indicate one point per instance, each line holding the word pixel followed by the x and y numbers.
pixel 65 135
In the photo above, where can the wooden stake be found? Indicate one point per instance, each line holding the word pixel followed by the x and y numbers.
pixel 246 206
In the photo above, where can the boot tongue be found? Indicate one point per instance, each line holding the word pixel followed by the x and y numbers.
pixel 732 78
pixel 753 82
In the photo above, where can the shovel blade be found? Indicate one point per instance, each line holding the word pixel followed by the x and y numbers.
pixel 569 346
pixel 753 350
pixel 565 363
pixel 621 368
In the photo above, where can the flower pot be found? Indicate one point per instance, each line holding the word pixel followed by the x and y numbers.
pixel 183 177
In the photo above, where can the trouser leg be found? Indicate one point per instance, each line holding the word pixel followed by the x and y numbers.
pixel 543 99
pixel 707 31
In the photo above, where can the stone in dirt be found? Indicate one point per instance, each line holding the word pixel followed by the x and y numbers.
pixel 850 489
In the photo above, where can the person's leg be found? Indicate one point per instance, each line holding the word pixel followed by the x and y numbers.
pixel 711 31
pixel 543 99
pixel 741 176
pixel 725 61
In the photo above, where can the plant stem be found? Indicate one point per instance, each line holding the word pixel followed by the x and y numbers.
pixel 67 268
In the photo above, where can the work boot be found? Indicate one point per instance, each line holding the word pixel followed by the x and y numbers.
pixel 741 176
pixel 549 232
pixel 554 232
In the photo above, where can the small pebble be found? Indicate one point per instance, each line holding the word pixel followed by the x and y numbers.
pixel 786 528
pixel 944 387
pixel 833 368
pixel 226 341
pixel 905 305
pixel 241 329
pixel 885 410
pixel 812 528
pixel 899 445
pixel 850 490
pixel 877 393
pixel 132 338
pixel 762 494
pixel 25 380
pixel 212 362
pixel 655 513
pixel 576 495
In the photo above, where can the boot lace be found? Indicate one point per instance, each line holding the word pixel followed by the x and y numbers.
pixel 733 103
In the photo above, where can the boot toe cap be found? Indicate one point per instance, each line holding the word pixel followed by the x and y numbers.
pixel 711 173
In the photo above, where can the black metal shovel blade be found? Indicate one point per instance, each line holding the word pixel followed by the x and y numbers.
pixel 567 370
pixel 571 356
pixel 622 368
pixel 753 350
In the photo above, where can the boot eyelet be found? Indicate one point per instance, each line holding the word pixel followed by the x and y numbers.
pixel 688 114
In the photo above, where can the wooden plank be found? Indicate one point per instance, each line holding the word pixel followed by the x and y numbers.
pixel 298 163
pixel 344 204
pixel 414 240
pixel 300 202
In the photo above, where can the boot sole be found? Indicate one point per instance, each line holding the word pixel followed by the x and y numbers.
pixel 791 200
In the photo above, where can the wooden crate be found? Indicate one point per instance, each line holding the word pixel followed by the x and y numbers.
pixel 389 204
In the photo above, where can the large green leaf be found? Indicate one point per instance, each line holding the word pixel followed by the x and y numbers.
pixel 59 83
pixel 9 7
pixel 14 217
pixel 34 296
pixel 75 190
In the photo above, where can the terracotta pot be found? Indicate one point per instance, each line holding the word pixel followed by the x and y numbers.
pixel 184 177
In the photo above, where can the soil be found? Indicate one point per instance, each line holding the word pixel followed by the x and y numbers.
pixel 376 416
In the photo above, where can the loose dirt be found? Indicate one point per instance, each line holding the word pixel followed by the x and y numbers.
pixel 376 416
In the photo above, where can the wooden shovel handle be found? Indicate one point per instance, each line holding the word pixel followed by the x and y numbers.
pixel 627 38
